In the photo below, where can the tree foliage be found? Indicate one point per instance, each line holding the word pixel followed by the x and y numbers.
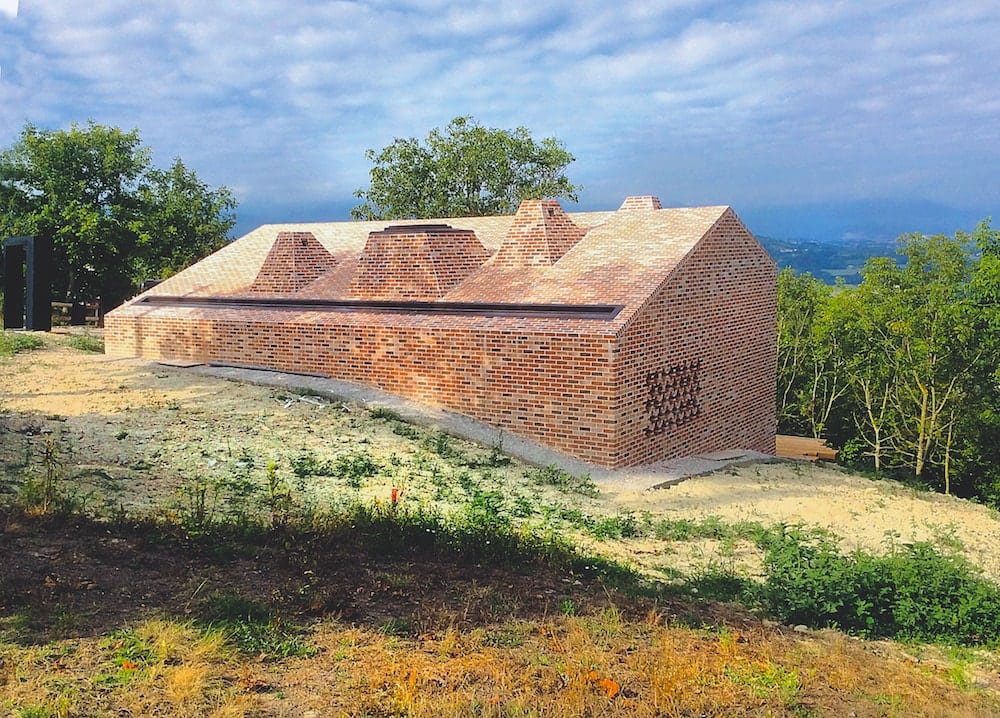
pixel 461 171
pixel 810 372
pixel 113 218
pixel 907 360
pixel 183 220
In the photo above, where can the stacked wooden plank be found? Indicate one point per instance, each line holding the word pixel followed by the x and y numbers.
pixel 804 447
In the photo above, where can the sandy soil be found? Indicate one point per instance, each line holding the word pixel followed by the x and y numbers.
pixel 864 513
pixel 132 432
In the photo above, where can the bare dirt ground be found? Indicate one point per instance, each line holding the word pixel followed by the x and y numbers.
pixel 865 513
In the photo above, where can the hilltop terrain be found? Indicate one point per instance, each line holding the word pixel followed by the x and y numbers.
pixel 128 617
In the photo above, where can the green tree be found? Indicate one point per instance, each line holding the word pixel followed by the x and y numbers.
pixel 798 298
pixel 464 170
pixel 977 457
pixel 913 340
pixel 78 188
pixel 182 220
pixel 938 344
pixel 811 377
pixel 864 317
pixel 113 219
pixel 916 344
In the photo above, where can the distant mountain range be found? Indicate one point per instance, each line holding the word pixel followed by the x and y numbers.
pixel 868 220
pixel 831 240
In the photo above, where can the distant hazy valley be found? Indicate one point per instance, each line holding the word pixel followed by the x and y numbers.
pixel 828 260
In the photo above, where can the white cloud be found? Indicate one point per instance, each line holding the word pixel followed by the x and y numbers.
pixel 8 8
pixel 281 100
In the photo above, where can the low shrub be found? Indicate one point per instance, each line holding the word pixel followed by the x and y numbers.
pixel 85 343
pixel 916 592
pixel 355 466
pixel 554 476
pixel 407 431
pixel 622 526
pixel 307 464
pixel 384 414
pixel 253 628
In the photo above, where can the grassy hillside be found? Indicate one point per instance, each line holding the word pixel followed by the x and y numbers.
pixel 179 545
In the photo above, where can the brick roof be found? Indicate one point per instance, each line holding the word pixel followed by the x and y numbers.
pixel 539 236
pixel 415 262
pixel 540 255
pixel 643 202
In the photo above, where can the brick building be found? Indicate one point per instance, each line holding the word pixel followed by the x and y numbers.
pixel 619 338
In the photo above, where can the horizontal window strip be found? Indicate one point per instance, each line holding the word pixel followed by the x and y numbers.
pixel 554 311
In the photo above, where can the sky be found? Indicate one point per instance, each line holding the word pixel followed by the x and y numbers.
pixel 811 119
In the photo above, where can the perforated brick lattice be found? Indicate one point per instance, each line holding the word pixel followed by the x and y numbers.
pixel 673 396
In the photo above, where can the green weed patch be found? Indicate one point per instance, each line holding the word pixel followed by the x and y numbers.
pixel 14 342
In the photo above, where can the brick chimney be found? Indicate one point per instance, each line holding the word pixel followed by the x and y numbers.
pixel 540 235
pixel 646 201
pixel 295 259
pixel 416 262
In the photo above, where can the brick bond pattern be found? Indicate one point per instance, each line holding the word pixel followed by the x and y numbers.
pixel 295 260
pixel 710 326
pixel 687 366
pixel 416 262
pixel 643 202
pixel 540 235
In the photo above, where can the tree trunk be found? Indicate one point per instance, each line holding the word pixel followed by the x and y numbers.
pixel 947 459
pixel 921 449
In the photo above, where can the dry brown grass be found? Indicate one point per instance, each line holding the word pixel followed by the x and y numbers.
pixel 601 664
pixel 605 665
pixel 186 675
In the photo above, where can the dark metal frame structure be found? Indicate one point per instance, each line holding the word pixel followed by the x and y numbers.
pixel 27 283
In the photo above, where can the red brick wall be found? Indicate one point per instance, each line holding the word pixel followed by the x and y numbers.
pixel 691 370
pixel 556 386
pixel 698 362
